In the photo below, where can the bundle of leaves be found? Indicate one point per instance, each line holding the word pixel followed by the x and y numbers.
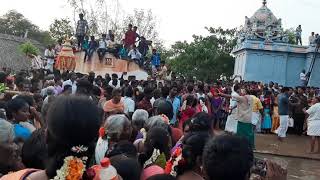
pixel 29 49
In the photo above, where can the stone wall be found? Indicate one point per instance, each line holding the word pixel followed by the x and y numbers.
pixel 10 56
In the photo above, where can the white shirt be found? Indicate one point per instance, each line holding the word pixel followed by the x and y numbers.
pixel 134 54
pixel 152 100
pixel 102 44
pixel 314 112
pixel 303 76
pixel 101 149
pixel 233 101
pixel 117 86
pixel 73 85
pixel 312 39
pixel 129 105
pixel 201 95
pixel 48 53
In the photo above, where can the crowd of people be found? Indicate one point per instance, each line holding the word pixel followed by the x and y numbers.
pixel 64 126
pixel 133 46
pixel 314 38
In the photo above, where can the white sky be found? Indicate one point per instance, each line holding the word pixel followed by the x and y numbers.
pixel 180 19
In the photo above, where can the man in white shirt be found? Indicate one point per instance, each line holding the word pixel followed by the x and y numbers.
pixel 303 78
pixel 135 55
pixel 49 55
pixel 232 122
pixel 312 39
pixel 112 47
pixel 244 115
pixel 102 49
pixel 128 102
pixel 72 82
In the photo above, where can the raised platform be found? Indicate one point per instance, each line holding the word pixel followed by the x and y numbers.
pixel 109 65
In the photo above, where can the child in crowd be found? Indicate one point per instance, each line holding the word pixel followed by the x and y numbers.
pixel 267 107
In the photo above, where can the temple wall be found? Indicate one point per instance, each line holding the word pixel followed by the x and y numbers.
pixel 10 56
pixel 263 63
pixel 239 67
pixel 315 75
pixel 295 64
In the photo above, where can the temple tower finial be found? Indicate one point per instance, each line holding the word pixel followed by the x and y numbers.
pixel 264 2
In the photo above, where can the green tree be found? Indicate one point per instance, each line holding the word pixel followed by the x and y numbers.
pixel 205 57
pixel 14 23
pixel 108 15
pixel 28 49
pixel 61 28
pixel 291 35
pixel 145 21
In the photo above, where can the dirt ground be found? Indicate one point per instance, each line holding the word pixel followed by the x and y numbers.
pixel 292 146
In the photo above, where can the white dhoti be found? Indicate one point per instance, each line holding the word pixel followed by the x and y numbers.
pixel 282 129
pixel 314 128
pixel 231 124
pixel 49 65
pixel 256 121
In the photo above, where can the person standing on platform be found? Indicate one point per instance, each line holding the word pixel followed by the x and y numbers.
pixel 81 30
pixel 298 35
pixel 130 37
pixel 109 35
pixel 312 39
pixel 135 28
pixel 283 107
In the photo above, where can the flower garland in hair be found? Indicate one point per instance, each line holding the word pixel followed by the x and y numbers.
pixel 73 167
pixel 102 132
pixel 174 161
pixel 155 154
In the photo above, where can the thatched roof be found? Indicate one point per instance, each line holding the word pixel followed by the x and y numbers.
pixel 10 56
